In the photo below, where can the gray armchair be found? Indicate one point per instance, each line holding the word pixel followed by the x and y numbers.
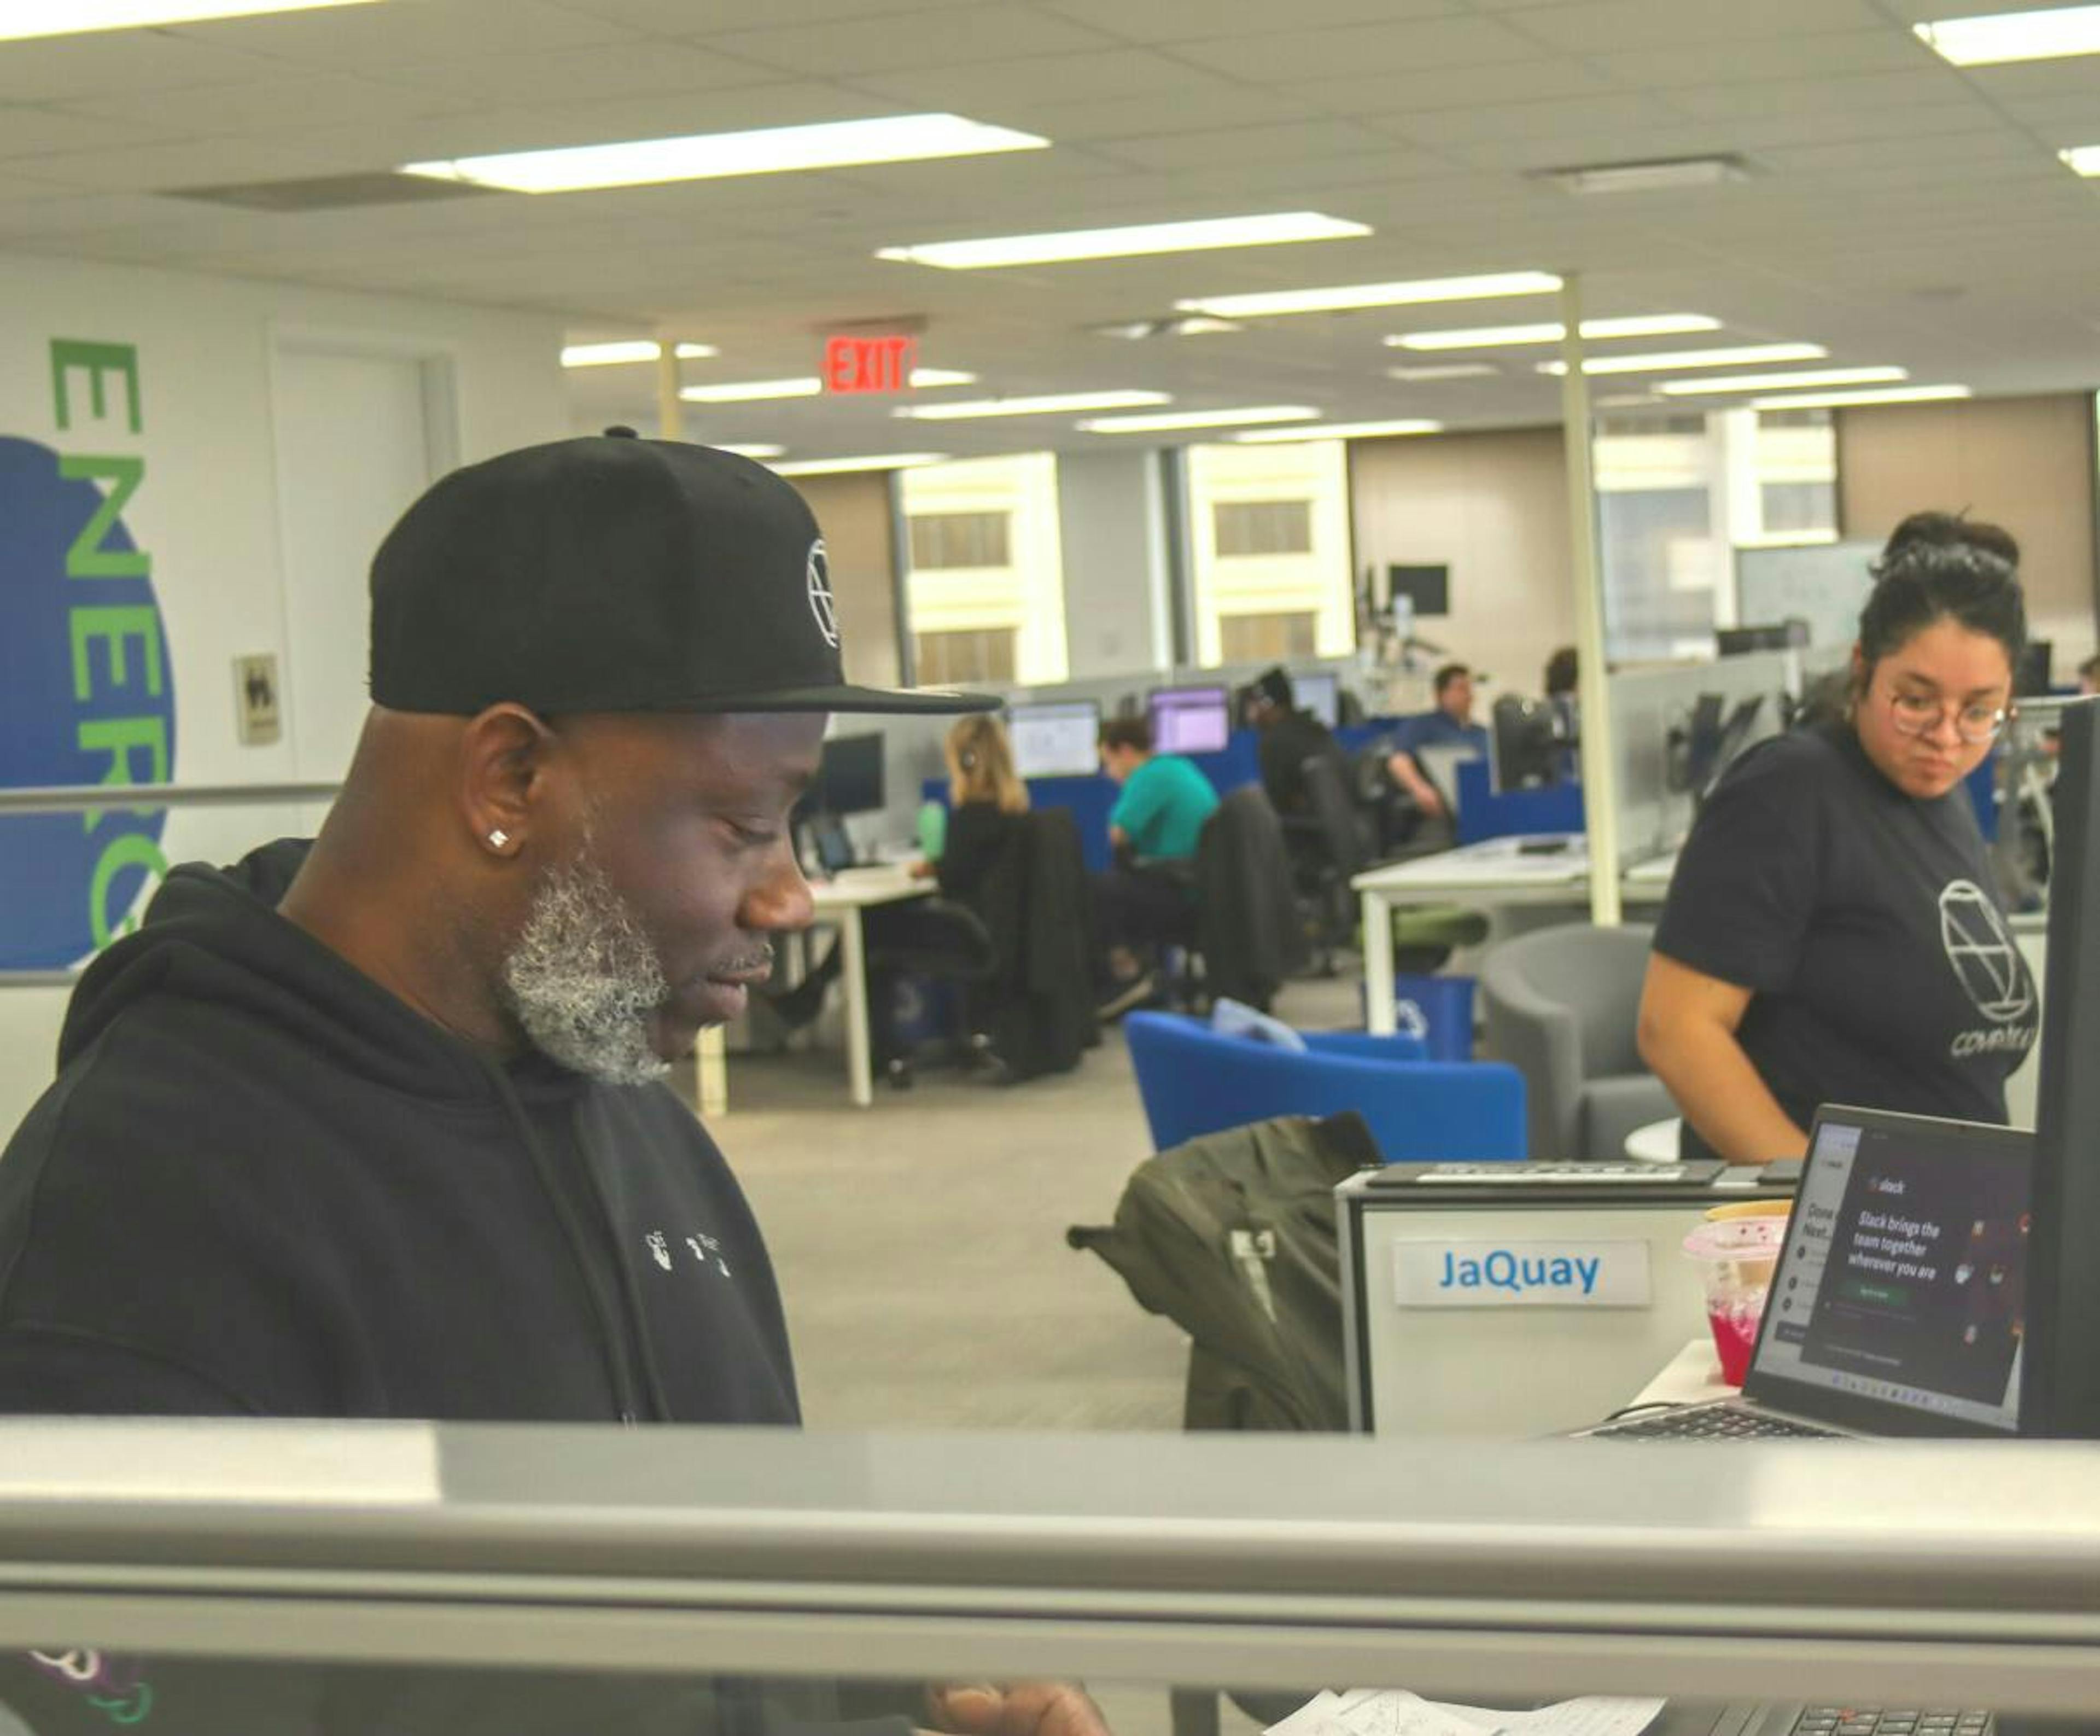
pixel 1560 1004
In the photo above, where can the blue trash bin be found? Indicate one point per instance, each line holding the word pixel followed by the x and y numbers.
pixel 1440 1011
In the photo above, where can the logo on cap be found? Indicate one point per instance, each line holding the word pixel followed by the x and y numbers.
pixel 819 586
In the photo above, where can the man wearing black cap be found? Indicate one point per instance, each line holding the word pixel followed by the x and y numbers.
pixel 376 1127
pixel 1289 737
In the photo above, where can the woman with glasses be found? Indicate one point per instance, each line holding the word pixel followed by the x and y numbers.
pixel 1833 932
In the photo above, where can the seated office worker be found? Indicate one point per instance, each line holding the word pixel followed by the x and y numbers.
pixel 1833 932
pixel 376 1126
pixel 1147 900
pixel 1449 725
pixel 1288 738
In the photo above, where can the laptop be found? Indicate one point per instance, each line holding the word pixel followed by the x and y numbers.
pixel 1897 1303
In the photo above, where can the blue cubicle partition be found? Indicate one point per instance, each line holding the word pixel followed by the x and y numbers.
pixel 1484 812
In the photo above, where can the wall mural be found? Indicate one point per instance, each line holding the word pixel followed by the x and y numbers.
pixel 87 686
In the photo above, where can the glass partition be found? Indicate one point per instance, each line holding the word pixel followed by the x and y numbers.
pixel 401 1578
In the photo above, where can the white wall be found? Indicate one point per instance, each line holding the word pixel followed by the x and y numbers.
pixel 208 509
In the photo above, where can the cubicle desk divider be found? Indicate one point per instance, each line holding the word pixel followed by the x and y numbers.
pixel 1444 1335
pixel 1486 812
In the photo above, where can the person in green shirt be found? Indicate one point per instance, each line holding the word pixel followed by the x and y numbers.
pixel 1147 900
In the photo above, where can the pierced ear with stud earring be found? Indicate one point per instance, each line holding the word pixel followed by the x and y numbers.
pixel 498 839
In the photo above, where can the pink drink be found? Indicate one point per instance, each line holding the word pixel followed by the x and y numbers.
pixel 1735 1327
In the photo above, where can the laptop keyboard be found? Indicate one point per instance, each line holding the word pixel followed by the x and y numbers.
pixel 1723 1423
pixel 1873 1720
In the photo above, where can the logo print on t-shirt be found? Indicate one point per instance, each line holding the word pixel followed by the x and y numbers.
pixel 1980 948
pixel 818 583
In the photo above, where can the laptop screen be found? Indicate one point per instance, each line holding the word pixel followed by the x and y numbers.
pixel 1898 1301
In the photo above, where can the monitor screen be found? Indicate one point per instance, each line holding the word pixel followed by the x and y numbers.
pixel 1903 1278
pixel 1059 740
pixel 850 777
pixel 1321 694
pixel 1190 720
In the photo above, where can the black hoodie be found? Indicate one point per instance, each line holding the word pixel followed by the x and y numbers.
pixel 262 1185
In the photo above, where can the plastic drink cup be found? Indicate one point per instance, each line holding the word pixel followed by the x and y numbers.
pixel 1735 1256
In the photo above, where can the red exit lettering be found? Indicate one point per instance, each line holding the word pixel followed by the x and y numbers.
pixel 869 364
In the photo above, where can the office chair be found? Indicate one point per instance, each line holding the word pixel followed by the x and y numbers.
pixel 1562 1005
pixel 1329 847
pixel 1193 1080
pixel 931 939
pixel 1248 931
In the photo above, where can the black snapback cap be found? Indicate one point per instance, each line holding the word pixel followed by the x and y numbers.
pixel 611 573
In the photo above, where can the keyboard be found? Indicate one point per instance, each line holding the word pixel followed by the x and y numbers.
pixel 1873 1721
pixel 1721 1422
pixel 1553 1174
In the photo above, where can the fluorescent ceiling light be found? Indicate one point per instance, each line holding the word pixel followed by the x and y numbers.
pixel 1198 419
pixel 1666 175
pixel 1840 400
pixel 1343 297
pixel 1119 244
pixel 1444 371
pixel 19 23
pixel 773 150
pixel 1339 430
pixel 747 391
pixel 1499 336
pixel 1759 382
pixel 629 350
pixel 1048 405
pixel 1992 40
pixel 881 460
pixel 805 385
pixel 2084 158
pixel 749 449
pixel 1662 362
pixel 1180 325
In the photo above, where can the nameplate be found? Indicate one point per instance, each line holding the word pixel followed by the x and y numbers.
pixel 1520 1274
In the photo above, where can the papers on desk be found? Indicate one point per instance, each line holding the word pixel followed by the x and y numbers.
pixel 1366 1712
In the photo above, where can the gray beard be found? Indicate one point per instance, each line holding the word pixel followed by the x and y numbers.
pixel 583 980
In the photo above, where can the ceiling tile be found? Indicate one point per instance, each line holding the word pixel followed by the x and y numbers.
pixel 1104 75
pixel 1603 117
pixel 257 103
pixel 379 38
pixel 1394 94
pixel 50 70
pixel 1843 93
pixel 956 37
pixel 1215 103
pixel 1355 50
pixel 1779 57
pixel 682 18
pixel 1188 21
pixel 636 67
pixel 1600 26
pixel 1289 144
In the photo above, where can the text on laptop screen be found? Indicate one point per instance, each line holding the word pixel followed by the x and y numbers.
pixel 1058 740
pixel 1190 720
pixel 1904 1278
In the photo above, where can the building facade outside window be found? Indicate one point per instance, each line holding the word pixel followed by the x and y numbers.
pixel 1678 493
pixel 1268 545
pixel 985 590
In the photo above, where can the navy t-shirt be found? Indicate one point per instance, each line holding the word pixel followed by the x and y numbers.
pixel 1868 925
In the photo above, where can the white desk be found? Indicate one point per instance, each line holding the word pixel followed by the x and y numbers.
pixel 840 900
pixel 1496 871
pixel 1691 1376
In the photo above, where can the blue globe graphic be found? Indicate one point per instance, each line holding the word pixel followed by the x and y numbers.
pixel 48 862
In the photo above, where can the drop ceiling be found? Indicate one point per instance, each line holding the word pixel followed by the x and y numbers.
pixel 1899 212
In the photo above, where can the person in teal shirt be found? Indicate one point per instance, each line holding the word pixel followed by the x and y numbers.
pixel 1147 901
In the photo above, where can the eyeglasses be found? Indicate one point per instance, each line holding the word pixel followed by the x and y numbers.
pixel 1916 714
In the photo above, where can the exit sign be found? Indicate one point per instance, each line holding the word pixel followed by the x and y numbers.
pixel 869 364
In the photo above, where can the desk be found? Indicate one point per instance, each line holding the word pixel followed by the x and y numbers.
pixel 1495 873
pixel 1691 1376
pixel 840 900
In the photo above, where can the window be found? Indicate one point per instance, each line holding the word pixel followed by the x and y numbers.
pixel 943 540
pixel 986 594
pixel 1263 527
pixel 982 657
pixel 1267 638
pixel 1269 552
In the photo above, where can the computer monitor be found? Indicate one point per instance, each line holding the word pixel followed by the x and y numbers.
pixel 850 777
pixel 2031 677
pixel 2060 1361
pixel 1060 740
pixel 1320 693
pixel 1782 635
pixel 1525 744
pixel 1190 720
